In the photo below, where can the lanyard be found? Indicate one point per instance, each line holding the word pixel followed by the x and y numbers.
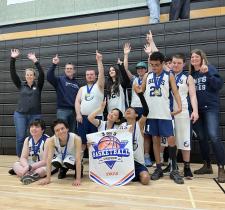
pixel 36 147
pixel 89 89
pixel 65 150
pixel 139 81
pixel 106 125
pixel 157 84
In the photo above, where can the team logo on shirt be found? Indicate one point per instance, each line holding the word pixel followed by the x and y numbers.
pixel 110 149
pixel 186 144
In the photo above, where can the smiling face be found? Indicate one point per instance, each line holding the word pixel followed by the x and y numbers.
pixel 141 71
pixel 61 131
pixel 130 114
pixel 112 72
pixel 29 76
pixel 36 130
pixel 177 65
pixel 69 70
pixel 196 60
pixel 113 116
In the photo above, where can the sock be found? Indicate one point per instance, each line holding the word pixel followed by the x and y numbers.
pixel 161 157
pixel 186 164
pixel 147 155
pixel 173 156
pixel 158 166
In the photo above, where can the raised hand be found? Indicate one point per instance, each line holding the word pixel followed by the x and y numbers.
pixel 149 37
pixel 148 49
pixel 119 62
pixel 126 48
pixel 15 53
pixel 31 56
pixel 98 56
pixel 137 88
pixel 55 60
pixel 204 67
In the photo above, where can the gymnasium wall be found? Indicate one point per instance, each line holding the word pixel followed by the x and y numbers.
pixel 76 39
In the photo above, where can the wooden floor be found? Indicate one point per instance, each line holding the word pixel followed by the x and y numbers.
pixel 200 193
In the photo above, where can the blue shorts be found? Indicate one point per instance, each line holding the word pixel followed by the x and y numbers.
pixel 158 127
pixel 138 169
pixel 86 127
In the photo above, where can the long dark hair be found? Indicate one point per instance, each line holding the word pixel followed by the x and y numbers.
pixel 111 86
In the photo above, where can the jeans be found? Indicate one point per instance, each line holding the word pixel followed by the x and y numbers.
pixel 21 122
pixel 206 127
pixel 69 116
pixel 179 9
pixel 154 10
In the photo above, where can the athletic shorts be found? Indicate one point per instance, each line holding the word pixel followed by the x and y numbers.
pixel 138 169
pixel 183 133
pixel 159 127
pixel 86 127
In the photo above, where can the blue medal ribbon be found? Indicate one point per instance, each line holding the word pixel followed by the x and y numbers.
pixel 89 89
pixel 158 83
pixel 65 150
pixel 36 147
pixel 139 81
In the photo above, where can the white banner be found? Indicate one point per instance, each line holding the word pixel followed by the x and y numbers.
pixel 111 160
pixel 17 1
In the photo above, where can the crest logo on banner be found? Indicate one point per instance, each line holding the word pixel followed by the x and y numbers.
pixel 111 159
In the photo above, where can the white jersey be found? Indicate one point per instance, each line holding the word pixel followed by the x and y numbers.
pixel 91 101
pixel 36 148
pixel 70 148
pixel 103 126
pixel 118 101
pixel 158 100
pixel 183 92
pixel 135 100
pixel 138 143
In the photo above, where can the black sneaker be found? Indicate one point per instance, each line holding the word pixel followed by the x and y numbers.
pixel 62 173
pixel 205 169
pixel 176 177
pixel 157 174
pixel 11 172
pixel 30 178
pixel 187 173
pixel 221 174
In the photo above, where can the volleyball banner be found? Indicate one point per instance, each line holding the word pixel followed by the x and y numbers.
pixel 111 160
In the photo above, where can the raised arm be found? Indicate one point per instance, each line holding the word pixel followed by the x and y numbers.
pixel 101 76
pixel 91 117
pixel 150 41
pixel 140 94
pixel 78 149
pixel 41 76
pixel 176 95
pixel 144 80
pixel 126 51
pixel 125 80
pixel 15 78
pixel 193 98
pixel 52 79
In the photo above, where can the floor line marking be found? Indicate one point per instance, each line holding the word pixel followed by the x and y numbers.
pixel 191 197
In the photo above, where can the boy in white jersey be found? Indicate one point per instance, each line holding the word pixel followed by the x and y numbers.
pixel 186 87
pixel 67 147
pixel 131 115
pixel 113 118
pixel 157 86
pixel 32 163
pixel 89 98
